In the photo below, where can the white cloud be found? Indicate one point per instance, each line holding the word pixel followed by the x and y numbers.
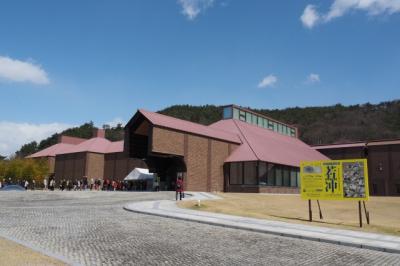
pixel 192 8
pixel 14 135
pixel 268 81
pixel 372 7
pixel 313 78
pixel 20 71
pixel 311 17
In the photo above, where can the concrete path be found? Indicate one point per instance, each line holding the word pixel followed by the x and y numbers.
pixel 168 208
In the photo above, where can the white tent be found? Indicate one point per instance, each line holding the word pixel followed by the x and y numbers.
pixel 139 174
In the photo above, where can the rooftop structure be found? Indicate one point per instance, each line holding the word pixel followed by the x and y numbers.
pixel 251 117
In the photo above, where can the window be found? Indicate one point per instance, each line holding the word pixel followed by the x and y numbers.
pixel 260 122
pixel 286 177
pixel 280 128
pixel 242 115
pixel 271 175
pixel 275 127
pixel 248 118
pixel 250 173
pixel 292 132
pixel 278 176
pixel 265 123
pixel 235 113
pixel 293 177
pixel 236 174
pixel 298 178
pixel 262 173
pixel 253 119
pixel 271 125
pixel 227 112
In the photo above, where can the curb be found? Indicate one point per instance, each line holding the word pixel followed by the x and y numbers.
pixel 265 231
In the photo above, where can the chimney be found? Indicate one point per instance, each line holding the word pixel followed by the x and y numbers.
pixel 99 133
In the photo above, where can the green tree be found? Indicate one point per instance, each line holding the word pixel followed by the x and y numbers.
pixel 27 149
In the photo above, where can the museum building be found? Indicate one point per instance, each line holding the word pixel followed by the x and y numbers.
pixel 383 158
pixel 243 152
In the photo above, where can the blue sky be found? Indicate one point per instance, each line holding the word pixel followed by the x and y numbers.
pixel 66 62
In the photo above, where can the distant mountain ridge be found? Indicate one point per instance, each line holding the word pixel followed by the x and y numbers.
pixel 317 125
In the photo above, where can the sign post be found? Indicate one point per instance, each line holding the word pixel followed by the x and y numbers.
pixel 335 180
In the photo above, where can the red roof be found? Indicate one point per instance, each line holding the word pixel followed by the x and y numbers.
pixel 116 146
pixel 51 151
pixel 266 145
pixel 97 145
pixel 186 126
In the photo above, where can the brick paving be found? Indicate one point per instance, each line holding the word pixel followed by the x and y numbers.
pixel 91 228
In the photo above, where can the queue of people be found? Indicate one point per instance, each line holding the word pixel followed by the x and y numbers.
pixel 50 183
pixel 25 183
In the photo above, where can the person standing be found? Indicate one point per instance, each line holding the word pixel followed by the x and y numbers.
pixel 26 184
pixel 179 188
pixel 45 183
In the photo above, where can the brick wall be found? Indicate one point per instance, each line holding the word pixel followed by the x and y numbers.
pixel 94 165
pixel 70 166
pixel 51 163
pixel 119 165
pixel 167 141
pixel 204 157
pixel 196 163
pixel 219 152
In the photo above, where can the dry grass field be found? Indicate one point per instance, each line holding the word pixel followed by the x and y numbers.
pixel 384 211
pixel 13 254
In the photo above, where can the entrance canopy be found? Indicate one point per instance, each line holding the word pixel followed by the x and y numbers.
pixel 139 174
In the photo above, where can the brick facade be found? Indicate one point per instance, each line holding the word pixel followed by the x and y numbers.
pixel 167 141
pixel 70 166
pixel 73 166
pixel 204 157
pixel 219 152
pixel 196 163
pixel 118 165
pixel 95 165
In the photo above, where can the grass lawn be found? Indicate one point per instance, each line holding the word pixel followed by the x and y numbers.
pixel 384 211
pixel 14 254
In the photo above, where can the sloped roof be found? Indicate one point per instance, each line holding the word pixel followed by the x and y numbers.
pixel 266 145
pixel 52 150
pixel 186 126
pixel 97 145
pixel 116 146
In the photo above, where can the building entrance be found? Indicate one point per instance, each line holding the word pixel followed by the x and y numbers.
pixel 167 168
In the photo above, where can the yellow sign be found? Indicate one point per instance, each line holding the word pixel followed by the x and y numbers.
pixel 334 180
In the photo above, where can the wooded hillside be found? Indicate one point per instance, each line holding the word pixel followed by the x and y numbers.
pixel 317 125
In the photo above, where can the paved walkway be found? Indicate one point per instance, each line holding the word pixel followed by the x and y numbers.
pixel 168 208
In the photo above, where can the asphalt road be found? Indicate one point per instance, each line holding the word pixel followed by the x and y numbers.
pixel 91 228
